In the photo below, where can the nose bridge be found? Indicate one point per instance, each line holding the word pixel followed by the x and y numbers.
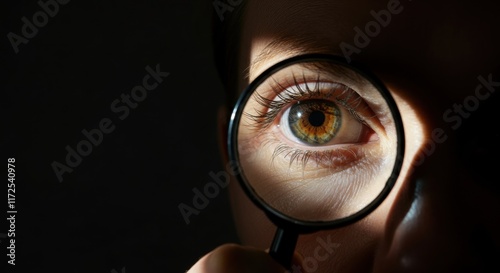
pixel 431 227
pixel 460 151
pixel 459 215
pixel 433 178
pixel 449 209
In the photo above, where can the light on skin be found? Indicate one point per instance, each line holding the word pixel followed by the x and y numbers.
pixel 429 57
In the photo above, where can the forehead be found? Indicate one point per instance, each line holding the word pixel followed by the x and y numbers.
pixel 433 42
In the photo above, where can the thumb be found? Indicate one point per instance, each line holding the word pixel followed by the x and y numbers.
pixel 230 258
pixel 297 261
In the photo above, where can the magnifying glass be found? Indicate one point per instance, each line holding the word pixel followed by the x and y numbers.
pixel 318 143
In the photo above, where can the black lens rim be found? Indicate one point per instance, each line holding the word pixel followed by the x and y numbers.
pixel 274 215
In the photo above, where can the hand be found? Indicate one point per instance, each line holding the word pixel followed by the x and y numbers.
pixel 230 258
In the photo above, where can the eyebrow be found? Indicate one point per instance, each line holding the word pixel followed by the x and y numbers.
pixel 287 45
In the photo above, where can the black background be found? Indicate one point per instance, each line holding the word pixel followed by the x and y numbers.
pixel 117 211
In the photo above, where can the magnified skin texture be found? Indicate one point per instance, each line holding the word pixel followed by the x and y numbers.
pixel 442 215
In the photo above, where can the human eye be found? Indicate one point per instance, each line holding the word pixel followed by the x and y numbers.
pixel 312 118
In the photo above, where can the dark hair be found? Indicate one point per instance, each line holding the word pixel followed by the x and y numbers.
pixel 225 43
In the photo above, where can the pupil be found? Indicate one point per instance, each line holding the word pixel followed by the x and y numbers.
pixel 316 118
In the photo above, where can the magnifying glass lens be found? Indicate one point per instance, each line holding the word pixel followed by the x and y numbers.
pixel 317 140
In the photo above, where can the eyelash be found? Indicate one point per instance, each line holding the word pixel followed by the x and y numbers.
pixel 264 119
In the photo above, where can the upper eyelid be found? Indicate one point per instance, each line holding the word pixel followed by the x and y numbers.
pixel 306 72
pixel 265 118
pixel 355 78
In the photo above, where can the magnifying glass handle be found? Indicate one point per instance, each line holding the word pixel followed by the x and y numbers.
pixel 283 247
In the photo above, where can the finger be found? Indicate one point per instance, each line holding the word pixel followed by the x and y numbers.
pixel 232 258
pixel 297 260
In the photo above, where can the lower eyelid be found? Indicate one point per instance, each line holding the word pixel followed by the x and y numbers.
pixel 341 155
pixel 321 163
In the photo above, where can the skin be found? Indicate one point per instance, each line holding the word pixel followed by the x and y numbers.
pixel 439 217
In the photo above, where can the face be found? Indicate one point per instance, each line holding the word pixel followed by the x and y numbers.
pixel 440 63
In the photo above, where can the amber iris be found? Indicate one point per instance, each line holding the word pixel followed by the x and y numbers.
pixel 314 121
